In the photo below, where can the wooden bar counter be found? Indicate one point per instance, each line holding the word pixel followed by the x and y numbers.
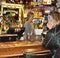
pixel 18 48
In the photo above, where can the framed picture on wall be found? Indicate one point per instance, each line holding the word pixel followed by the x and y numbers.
pixel 13 14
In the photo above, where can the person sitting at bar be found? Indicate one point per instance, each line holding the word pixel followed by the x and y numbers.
pixel 52 38
pixel 29 27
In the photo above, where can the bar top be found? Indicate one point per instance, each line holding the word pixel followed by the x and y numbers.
pixel 18 44
pixel 18 48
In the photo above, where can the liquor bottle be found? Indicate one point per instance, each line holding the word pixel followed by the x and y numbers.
pixel 8 1
pixel 21 2
pixel 26 2
pixel 16 1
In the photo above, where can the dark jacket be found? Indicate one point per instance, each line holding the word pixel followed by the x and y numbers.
pixel 52 40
